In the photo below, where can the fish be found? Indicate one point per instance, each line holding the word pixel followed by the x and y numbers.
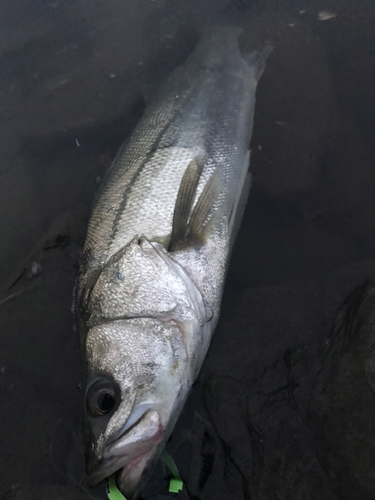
pixel 157 249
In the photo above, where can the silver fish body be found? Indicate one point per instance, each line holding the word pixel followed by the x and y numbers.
pixel 154 262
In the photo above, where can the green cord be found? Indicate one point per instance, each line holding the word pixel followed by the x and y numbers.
pixel 175 484
pixel 113 492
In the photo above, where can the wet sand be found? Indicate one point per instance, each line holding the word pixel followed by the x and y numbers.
pixel 73 77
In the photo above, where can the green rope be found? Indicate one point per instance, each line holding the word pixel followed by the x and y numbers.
pixel 175 484
pixel 113 492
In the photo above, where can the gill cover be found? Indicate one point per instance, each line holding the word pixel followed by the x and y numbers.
pixel 142 281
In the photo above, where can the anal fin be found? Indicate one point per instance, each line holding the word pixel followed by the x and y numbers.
pixel 257 61
pixel 240 199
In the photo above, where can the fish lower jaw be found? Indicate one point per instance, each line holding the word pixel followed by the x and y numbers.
pixel 129 455
pixel 129 477
pixel 127 472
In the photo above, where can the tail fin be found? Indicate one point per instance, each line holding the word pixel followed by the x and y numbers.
pixel 217 44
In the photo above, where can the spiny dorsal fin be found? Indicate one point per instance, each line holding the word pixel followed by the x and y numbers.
pixel 184 201
pixel 201 212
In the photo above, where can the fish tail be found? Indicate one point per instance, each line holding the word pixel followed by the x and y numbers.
pixel 217 45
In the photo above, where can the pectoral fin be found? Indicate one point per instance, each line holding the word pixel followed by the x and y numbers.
pixel 190 223
pixel 203 209
pixel 184 201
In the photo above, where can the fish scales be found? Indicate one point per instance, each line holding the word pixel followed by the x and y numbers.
pixel 156 253
pixel 202 120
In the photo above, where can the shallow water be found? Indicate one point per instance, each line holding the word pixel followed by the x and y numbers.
pixel 73 76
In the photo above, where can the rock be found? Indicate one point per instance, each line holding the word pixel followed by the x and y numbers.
pixel 45 492
pixel 335 392
pixel 300 107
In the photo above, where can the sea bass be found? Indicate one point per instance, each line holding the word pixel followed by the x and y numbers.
pixel 156 253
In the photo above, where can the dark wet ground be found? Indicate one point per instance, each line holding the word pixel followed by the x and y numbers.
pixel 281 410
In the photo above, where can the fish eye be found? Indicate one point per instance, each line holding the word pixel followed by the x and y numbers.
pixel 101 398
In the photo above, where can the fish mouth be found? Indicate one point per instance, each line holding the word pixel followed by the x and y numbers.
pixel 129 454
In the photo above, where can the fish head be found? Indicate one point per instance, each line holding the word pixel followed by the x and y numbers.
pixel 141 362
pixel 135 383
